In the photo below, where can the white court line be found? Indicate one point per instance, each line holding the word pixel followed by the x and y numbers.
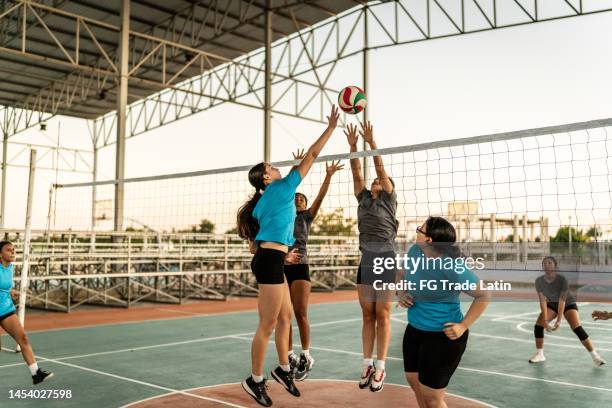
pixel 532 313
pixel 521 328
pixel 159 387
pixel 491 336
pixel 176 343
pixel 94 325
pixel 310 380
pixel 470 369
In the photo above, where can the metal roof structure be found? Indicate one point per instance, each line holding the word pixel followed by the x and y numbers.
pixel 129 66
pixel 49 42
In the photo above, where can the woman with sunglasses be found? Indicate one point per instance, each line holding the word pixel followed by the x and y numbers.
pixel 437 333
pixel 267 222
pixel 377 231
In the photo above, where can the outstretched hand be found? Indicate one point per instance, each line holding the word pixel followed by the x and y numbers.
pixel 332 119
pixel 299 154
pixel 351 134
pixel 367 132
pixel 334 167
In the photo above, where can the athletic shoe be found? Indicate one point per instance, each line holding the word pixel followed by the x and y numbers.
pixel 378 381
pixel 598 361
pixel 41 376
pixel 285 378
pixel 304 367
pixel 257 390
pixel 537 358
pixel 366 376
pixel 293 362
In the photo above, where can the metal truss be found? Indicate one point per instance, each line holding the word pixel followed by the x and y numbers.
pixel 54 158
pixel 304 62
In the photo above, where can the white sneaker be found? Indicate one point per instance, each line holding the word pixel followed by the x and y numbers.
pixel 366 376
pixel 598 361
pixel 537 358
pixel 378 381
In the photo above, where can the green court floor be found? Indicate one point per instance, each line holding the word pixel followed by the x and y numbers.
pixel 113 365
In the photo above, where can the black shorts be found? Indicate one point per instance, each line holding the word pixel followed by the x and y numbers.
pixel 268 265
pixel 4 316
pixel 370 268
pixel 297 272
pixel 433 355
pixel 554 306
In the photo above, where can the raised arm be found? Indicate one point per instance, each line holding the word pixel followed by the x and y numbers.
pixel 351 137
pixel 367 132
pixel 314 150
pixel 330 170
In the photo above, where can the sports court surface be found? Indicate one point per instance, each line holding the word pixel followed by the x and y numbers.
pixel 198 359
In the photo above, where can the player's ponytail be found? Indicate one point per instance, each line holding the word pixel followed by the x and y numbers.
pixel 248 227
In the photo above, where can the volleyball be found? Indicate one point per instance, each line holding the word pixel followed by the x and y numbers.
pixel 352 100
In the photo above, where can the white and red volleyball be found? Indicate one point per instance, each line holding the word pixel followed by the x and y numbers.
pixel 352 100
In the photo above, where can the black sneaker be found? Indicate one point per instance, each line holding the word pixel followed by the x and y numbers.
pixel 293 362
pixel 285 378
pixel 304 367
pixel 257 390
pixel 41 376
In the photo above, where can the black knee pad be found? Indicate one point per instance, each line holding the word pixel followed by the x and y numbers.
pixel 538 331
pixel 582 335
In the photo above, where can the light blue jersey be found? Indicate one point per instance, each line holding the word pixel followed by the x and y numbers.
pixel 434 302
pixel 275 210
pixel 6 284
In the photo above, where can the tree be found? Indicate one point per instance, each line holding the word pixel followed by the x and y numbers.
pixel 232 231
pixel 594 232
pixel 333 223
pixel 205 227
pixel 563 235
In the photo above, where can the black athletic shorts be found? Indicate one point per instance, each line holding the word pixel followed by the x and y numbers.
pixel 371 268
pixel 297 272
pixel 554 306
pixel 433 355
pixel 4 316
pixel 268 265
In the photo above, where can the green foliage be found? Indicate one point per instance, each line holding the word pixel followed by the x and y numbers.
pixel 333 224
pixel 563 235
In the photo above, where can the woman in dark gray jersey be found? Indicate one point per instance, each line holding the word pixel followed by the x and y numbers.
pixel 377 230
pixel 557 301
pixel 298 274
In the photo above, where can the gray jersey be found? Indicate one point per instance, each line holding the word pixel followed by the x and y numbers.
pixel 301 230
pixel 376 221
pixel 552 290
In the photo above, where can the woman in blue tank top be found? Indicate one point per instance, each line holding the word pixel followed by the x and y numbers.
pixel 267 222
pixel 8 317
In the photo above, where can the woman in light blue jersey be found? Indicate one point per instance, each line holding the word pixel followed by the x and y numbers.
pixel 8 318
pixel 267 222
pixel 437 333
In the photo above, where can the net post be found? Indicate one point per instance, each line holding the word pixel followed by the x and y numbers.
pixel 26 244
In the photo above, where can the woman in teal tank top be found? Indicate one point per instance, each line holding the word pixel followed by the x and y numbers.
pixel 8 318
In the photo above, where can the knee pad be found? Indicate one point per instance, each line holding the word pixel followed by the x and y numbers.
pixel 582 335
pixel 538 331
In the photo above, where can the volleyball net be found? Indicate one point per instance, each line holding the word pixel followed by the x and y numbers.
pixel 513 198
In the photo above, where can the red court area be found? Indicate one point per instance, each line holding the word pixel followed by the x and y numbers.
pixel 315 393
pixel 92 316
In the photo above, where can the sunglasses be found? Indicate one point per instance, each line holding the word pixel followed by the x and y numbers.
pixel 420 230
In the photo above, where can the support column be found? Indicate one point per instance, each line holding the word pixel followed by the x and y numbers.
pixel 366 68
pixel 4 170
pixel 122 97
pixel 267 153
